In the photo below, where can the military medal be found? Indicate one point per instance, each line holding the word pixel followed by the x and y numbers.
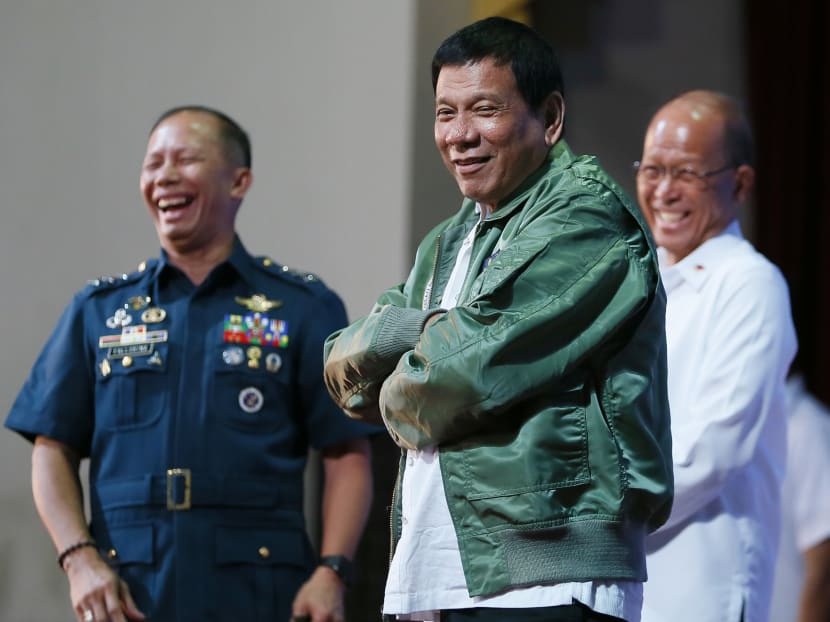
pixel 155 359
pixel 273 362
pixel 105 368
pixel 258 303
pixel 119 318
pixel 233 355
pixel 255 329
pixel 254 354
pixel 153 315
pixel 251 399
pixel 136 303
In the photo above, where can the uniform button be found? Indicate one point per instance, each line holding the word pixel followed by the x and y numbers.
pixel 264 553
pixel 112 554
pixel 127 361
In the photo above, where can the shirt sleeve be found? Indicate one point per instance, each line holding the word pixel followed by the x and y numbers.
pixel 58 396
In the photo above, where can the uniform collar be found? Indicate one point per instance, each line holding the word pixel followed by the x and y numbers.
pixel 239 261
pixel 696 267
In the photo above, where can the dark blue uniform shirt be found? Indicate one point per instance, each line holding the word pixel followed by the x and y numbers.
pixel 196 405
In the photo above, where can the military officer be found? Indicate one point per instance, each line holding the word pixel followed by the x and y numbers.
pixel 194 386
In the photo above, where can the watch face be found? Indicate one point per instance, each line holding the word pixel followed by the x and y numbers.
pixel 341 565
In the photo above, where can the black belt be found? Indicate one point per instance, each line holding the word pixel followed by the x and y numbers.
pixel 181 489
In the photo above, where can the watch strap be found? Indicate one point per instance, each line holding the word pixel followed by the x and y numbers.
pixel 342 566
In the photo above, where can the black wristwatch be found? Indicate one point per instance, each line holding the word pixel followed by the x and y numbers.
pixel 342 566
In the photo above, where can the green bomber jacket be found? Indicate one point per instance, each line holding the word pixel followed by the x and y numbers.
pixel 544 389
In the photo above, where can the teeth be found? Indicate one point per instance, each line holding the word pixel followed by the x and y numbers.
pixel 174 202
pixel 670 217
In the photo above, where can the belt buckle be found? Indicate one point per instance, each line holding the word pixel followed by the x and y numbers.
pixel 172 478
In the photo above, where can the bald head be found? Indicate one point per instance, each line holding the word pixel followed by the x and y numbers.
pixel 721 114
pixel 695 171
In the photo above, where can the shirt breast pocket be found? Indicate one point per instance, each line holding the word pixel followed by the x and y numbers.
pixel 250 393
pixel 131 392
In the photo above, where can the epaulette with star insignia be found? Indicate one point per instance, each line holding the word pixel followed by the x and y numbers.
pixel 272 267
pixel 109 281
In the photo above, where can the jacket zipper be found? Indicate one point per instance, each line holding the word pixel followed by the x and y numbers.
pixel 427 300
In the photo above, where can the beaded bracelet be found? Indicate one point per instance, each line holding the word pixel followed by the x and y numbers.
pixel 71 549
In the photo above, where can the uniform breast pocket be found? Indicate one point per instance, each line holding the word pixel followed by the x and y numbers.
pixel 131 392
pixel 251 393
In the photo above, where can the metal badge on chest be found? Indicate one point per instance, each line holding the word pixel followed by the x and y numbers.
pixel 248 337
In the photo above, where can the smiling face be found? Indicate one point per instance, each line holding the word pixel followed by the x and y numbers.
pixel 488 137
pixel 190 184
pixel 682 214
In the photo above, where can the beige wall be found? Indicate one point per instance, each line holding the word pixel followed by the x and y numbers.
pixel 346 176
pixel 81 83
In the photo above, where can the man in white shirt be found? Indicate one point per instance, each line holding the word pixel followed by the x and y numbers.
pixel 730 342
pixel 802 574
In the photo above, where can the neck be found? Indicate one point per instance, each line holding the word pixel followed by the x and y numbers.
pixel 198 263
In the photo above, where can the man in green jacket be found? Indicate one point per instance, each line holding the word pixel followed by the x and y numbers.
pixel 521 367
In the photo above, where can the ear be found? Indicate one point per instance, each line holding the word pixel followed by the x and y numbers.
pixel 744 182
pixel 553 109
pixel 242 180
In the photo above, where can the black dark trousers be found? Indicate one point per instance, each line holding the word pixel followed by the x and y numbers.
pixel 576 612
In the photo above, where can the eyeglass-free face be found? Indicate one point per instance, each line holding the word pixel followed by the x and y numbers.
pixel 686 187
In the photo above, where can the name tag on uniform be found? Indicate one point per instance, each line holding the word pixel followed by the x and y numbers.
pixel 133 341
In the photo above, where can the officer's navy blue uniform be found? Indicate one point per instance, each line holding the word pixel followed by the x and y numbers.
pixel 197 406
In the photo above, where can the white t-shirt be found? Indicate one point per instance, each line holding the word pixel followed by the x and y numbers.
pixel 426 576
pixel 730 342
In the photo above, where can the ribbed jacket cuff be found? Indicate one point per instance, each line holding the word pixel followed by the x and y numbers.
pixel 401 330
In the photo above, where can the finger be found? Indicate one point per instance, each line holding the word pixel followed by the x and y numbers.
pixel 113 604
pixel 128 604
pixel 99 612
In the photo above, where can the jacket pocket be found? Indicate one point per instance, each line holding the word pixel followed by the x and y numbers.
pixel 259 572
pixel 530 475
pixel 131 395
pixel 129 549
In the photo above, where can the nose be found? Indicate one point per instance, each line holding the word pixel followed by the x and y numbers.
pixel 167 173
pixel 665 188
pixel 460 131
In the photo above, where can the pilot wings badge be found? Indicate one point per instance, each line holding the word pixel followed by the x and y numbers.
pixel 258 303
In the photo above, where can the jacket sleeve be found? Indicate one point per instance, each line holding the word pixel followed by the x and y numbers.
pixel 359 357
pixel 560 293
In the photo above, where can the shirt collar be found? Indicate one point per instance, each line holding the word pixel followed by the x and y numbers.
pixel 696 267
pixel 239 260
